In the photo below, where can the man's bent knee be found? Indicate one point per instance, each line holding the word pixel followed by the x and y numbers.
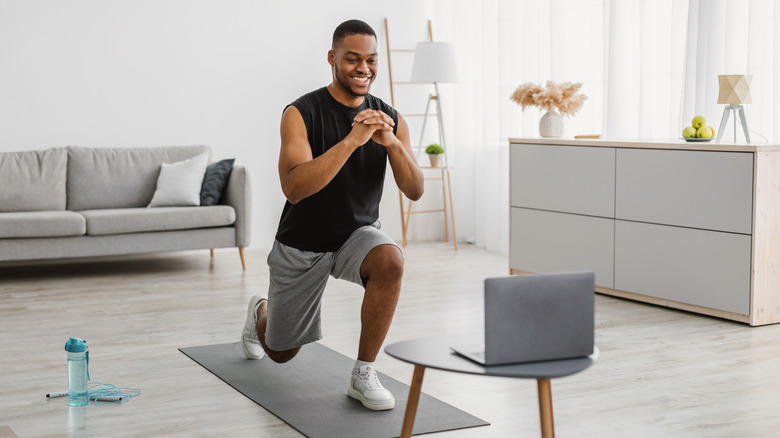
pixel 385 260
pixel 282 356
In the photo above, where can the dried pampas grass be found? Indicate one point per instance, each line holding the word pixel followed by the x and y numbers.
pixel 564 96
pixel 524 95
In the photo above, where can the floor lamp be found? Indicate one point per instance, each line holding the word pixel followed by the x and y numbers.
pixel 734 91
pixel 434 62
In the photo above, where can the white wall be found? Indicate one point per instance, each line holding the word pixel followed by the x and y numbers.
pixel 108 73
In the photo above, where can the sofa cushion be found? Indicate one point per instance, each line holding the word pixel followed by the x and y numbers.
pixel 179 183
pixel 215 181
pixel 138 220
pixel 119 177
pixel 33 180
pixel 60 223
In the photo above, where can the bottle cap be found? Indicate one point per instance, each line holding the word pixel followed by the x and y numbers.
pixel 76 345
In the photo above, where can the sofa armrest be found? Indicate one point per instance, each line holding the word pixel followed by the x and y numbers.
pixel 238 195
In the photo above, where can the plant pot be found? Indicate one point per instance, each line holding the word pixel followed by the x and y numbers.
pixel 551 124
pixel 435 160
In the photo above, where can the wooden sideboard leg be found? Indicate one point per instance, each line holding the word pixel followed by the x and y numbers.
pixel 243 257
pixel 414 399
pixel 545 407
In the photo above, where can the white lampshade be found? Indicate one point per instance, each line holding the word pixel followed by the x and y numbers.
pixel 735 89
pixel 434 62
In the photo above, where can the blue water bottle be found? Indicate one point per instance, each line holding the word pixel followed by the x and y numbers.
pixel 78 371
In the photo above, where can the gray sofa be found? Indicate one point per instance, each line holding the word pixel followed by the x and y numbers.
pixel 78 202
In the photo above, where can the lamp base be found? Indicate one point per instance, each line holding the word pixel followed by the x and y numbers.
pixel 739 112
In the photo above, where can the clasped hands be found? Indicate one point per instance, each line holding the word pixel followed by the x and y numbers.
pixel 373 125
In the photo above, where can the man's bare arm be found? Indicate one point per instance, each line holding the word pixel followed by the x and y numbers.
pixel 406 172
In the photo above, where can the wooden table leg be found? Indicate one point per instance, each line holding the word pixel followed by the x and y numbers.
pixel 545 407
pixel 414 399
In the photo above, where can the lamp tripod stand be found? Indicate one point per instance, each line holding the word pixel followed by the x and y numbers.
pixel 434 97
pixel 446 180
pixel 739 112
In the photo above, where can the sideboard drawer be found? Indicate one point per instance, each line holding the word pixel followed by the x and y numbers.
pixel 704 268
pixel 543 241
pixel 563 178
pixel 698 189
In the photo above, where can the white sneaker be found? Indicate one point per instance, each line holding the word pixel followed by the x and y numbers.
pixel 365 387
pixel 249 341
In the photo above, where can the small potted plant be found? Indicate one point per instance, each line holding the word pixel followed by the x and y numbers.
pixel 434 152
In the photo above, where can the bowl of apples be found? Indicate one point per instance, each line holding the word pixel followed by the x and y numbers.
pixel 699 130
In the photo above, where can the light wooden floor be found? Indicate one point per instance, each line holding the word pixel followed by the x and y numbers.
pixel 661 372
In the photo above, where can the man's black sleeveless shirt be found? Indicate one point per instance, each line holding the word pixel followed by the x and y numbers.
pixel 323 221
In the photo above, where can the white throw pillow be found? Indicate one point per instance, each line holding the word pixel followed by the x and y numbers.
pixel 179 183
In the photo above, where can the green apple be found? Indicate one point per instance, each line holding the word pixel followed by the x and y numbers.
pixel 689 132
pixel 698 122
pixel 705 132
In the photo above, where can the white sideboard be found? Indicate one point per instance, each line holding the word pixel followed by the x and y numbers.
pixel 693 226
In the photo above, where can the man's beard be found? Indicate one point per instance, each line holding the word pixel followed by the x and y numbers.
pixel 348 85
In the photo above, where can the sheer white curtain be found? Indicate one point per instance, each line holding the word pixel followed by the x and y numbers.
pixel 646 57
pixel 647 67
pixel 501 44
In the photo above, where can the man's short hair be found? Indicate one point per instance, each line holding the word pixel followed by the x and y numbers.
pixel 351 27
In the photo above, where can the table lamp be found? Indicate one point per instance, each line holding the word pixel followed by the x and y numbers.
pixel 734 91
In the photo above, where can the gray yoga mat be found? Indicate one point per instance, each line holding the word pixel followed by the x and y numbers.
pixel 310 394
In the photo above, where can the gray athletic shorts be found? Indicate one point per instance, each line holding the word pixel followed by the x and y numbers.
pixel 298 280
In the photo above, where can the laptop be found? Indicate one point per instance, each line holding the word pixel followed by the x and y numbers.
pixel 535 317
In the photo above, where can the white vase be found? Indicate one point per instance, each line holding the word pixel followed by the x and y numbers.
pixel 435 160
pixel 551 124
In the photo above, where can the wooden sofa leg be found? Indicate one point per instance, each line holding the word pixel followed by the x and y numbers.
pixel 243 257
pixel 212 253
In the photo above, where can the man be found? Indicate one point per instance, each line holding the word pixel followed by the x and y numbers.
pixel 336 142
